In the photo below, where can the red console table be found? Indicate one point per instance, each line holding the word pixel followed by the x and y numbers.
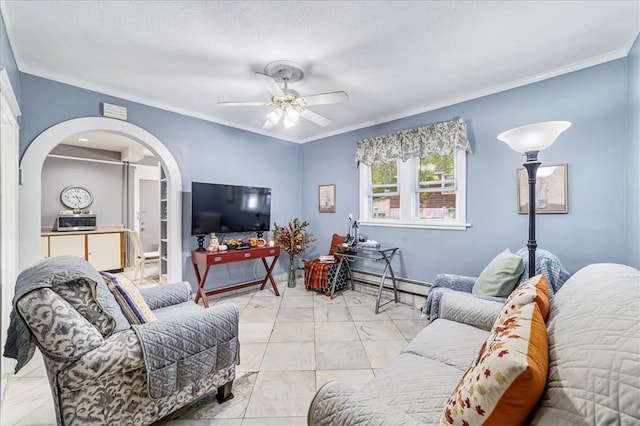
pixel 206 259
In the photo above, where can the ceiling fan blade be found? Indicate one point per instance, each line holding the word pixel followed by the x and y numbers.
pixel 271 84
pixel 316 118
pixel 244 103
pixel 325 98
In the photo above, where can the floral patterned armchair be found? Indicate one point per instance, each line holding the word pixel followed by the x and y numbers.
pixel 97 364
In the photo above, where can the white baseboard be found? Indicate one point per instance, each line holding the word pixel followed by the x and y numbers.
pixel 405 285
pixel 411 292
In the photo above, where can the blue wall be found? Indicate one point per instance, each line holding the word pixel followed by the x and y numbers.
pixel 632 240
pixel 593 99
pixel 595 230
pixel 7 60
pixel 204 151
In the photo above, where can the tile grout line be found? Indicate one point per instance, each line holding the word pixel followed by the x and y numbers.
pixel 358 301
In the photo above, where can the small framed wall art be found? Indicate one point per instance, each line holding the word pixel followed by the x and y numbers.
pixel 327 198
pixel 551 189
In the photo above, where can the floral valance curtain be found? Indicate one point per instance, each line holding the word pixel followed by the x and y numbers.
pixel 441 138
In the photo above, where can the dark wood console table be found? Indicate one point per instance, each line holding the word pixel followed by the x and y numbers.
pixel 207 259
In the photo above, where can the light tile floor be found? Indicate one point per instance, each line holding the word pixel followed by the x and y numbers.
pixel 289 347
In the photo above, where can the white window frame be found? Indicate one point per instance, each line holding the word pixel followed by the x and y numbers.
pixel 409 197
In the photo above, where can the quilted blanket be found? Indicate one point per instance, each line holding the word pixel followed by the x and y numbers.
pixel 167 295
pixel 182 349
pixel 546 263
pixel 319 276
pixel 48 273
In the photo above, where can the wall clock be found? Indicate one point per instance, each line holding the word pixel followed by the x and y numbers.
pixel 76 197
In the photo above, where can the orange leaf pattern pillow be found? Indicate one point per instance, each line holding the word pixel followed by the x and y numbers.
pixel 534 289
pixel 505 381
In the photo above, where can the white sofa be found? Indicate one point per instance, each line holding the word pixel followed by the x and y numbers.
pixel 594 360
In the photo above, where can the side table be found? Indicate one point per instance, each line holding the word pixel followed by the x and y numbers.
pixel 208 259
pixel 378 254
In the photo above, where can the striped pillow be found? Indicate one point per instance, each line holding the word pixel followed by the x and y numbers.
pixel 129 298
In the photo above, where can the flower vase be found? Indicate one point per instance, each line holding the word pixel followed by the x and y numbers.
pixel 292 275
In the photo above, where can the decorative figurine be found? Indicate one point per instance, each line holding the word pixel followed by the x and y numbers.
pixel 213 244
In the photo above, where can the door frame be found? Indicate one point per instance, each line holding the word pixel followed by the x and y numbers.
pixel 9 211
pixel 142 172
pixel 31 189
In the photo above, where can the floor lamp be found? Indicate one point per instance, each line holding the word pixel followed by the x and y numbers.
pixel 530 140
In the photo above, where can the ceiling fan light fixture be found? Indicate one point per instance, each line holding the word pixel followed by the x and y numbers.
pixel 288 103
pixel 292 114
pixel 274 116
pixel 288 123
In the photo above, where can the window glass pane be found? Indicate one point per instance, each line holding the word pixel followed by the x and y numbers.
pixel 436 172
pixel 385 203
pixel 384 177
pixel 386 207
pixel 437 205
pixel 436 187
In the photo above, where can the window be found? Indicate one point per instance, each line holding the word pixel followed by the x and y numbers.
pixel 383 185
pixel 420 192
pixel 436 187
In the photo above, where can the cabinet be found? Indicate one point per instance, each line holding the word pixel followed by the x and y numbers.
pixel 67 244
pixel 104 250
pixel 164 241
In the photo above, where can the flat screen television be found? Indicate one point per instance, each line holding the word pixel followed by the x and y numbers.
pixel 229 208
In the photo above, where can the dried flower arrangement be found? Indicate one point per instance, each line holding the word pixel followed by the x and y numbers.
pixel 295 240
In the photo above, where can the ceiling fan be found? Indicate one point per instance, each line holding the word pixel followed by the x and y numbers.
pixel 288 103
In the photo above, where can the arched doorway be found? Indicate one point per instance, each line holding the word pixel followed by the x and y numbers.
pixel 31 188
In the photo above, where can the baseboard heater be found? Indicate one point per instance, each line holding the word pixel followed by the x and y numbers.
pixel 405 285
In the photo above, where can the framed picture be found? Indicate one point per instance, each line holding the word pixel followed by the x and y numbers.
pixel 327 198
pixel 551 189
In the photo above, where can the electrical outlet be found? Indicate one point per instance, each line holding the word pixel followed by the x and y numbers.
pixel 350 215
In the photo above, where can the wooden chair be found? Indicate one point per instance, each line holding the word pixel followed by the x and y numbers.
pixel 140 256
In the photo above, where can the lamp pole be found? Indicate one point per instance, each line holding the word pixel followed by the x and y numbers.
pixel 530 140
pixel 532 165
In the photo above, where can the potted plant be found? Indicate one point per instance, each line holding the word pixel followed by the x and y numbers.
pixel 295 240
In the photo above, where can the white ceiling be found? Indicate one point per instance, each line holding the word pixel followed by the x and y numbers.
pixel 393 58
pixel 106 141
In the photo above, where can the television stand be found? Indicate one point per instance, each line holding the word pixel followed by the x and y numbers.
pixel 208 259
pixel 200 243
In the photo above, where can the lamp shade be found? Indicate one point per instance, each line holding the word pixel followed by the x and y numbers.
pixel 534 137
